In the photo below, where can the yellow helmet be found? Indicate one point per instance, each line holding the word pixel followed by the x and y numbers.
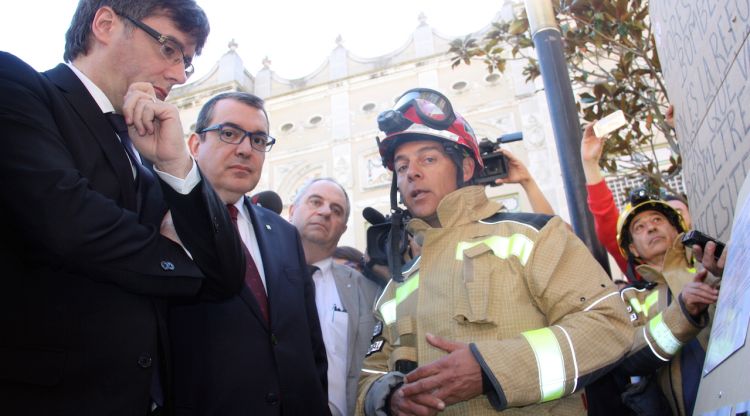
pixel 640 201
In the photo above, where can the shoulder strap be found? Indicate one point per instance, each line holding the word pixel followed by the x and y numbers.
pixel 537 221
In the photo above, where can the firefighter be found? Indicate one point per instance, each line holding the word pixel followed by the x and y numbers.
pixel 500 310
pixel 669 308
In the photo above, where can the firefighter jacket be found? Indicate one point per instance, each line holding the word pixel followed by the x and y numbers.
pixel 668 339
pixel 539 313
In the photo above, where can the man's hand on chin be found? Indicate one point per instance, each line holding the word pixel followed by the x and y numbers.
pixel 156 130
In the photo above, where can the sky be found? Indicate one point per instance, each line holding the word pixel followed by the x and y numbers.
pixel 297 36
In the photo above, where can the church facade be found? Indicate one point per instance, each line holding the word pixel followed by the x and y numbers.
pixel 325 122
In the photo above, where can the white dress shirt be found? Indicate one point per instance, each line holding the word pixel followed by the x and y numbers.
pixel 334 322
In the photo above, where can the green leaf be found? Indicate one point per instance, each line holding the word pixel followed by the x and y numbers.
pixel 611 54
pixel 587 98
pixel 518 26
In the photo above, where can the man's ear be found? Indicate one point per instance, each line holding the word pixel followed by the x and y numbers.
pixel 104 24
pixel 291 212
pixel 194 142
pixel 633 251
pixel 468 168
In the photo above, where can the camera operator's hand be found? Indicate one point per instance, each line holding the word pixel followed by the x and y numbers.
pixel 377 271
pixel 518 173
pixel 591 152
pixel 669 117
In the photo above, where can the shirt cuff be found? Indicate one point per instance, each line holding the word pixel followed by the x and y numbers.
pixel 181 186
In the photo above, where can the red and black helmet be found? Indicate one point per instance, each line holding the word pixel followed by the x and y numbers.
pixel 425 114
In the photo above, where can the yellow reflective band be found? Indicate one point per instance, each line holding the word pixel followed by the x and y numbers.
pixel 517 245
pixel 388 308
pixel 663 336
pixel 406 289
pixel 692 270
pixel 388 311
pixel 636 305
pixel 365 370
pixel 650 301
pixel 549 361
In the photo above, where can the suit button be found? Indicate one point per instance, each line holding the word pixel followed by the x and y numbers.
pixel 167 266
pixel 272 398
pixel 274 341
pixel 145 361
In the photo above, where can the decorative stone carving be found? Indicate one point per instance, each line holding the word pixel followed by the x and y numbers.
pixel 292 175
pixel 533 130
pixel 374 174
pixel 342 171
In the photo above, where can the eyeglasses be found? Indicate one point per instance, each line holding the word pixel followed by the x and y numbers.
pixel 261 142
pixel 170 49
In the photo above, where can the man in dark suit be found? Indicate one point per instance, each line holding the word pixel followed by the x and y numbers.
pixel 261 352
pixel 84 263
pixel 344 297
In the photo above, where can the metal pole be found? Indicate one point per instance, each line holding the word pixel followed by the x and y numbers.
pixel 565 125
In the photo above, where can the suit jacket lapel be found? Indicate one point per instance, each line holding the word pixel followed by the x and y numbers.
pixel 348 293
pixel 87 109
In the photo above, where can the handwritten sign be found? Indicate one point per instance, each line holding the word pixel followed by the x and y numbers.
pixel 704 50
pixel 705 56
pixel 733 309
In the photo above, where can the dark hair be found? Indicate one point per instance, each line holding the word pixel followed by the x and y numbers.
pixel 186 15
pixel 672 197
pixel 207 112
pixel 349 254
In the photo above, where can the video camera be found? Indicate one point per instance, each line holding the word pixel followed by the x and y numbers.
pixel 495 164
pixel 379 238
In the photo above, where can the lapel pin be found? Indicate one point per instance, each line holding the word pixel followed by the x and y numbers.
pixel 268 226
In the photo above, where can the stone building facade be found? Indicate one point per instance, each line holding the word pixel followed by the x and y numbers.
pixel 325 122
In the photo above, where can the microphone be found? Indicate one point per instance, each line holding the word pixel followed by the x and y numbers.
pixel 268 200
pixel 373 216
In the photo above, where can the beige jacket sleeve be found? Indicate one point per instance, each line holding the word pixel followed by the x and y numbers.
pixel 660 332
pixel 587 326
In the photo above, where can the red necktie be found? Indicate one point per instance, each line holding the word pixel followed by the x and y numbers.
pixel 252 277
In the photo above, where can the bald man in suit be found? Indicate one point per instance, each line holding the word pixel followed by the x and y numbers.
pixel 344 297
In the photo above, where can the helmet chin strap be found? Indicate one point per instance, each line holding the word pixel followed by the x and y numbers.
pixel 630 272
pixel 457 156
pixel 394 237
